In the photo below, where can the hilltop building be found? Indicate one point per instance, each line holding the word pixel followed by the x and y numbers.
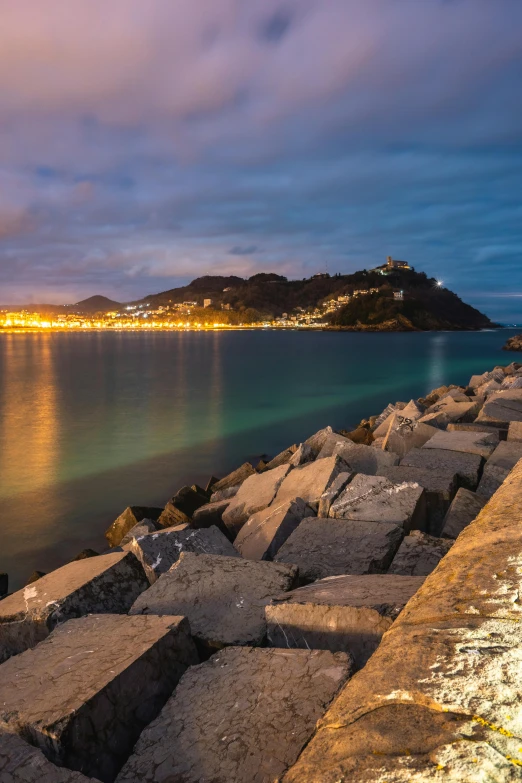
pixel 207 302
pixel 391 265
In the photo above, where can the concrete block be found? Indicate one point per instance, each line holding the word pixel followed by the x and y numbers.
pixel 405 434
pixel 22 763
pixel 455 411
pixel 282 459
pixel 302 455
pixel 340 613
pixel 419 554
pixel 310 481
pixel 464 508
pixel 105 584
pixel 242 716
pixel 481 443
pixel 365 459
pixel 498 467
pixel 127 520
pixel 223 598
pixel 316 442
pixel 440 489
pixel 266 531
pixel 515 431
pixel 254 494
pixel 181 507
pixel 211 515
pixel 328 547
pixel 85 693
pixel 465 466
pixel 333 492
pixel 157 552
pixel 140 529
pixel 504 406
pixel 437 419
pixel 376 499
pixel 235 478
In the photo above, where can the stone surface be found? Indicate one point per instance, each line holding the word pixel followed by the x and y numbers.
pixel 440 489
pixel 437 419
pixel 4 584
pixel 376 499
pixel 241 717
pixel 223 598
pixel 302 455
pixel 235 478
pixel 86 692
pixel 310 481
pixel 328 547
pixel 464 508
pixel 182 506
pixel 465 466
pixel 22 763
pixel 405 434
pixel 157 552
pixel 105 584
pixel 455 411
pixel 365 459
pixel 452 709
pixel 515 431
pixel 140 529
pixel 283 458
pixel 333 492
pixel 127 520
pixel 254 494
pixel 478 426
pixel 481 443
pixel 223 494
pixel 266 531
pixel 316 442
pixel 419 554
pixel 340 613
pixel 502 406
pixel 211 514
pixel 498 466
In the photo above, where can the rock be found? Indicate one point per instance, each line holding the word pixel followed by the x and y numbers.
pixel 502 406
pixel 157 552
pixel 515 431
pixel 513 343
pixel 340 613
pixel 498 467
pixel 35 576
pixel 105 584
pixel 282 459
pixel 333 492
pixel 254 494
pixel 242 716
pixel 311 481
pixel 127 520
pixel 440 488
pixel 477 426
pixel 481 443
pixel 141 529
pixel 458 395
pixel 209 489
pixel 4 584
pixel 86 553
pixel 223 494
pixel 234 478
pixel 405 434
pixel 261 466
pixel 266 531
pixel 454 411
pixel 361 435
pixel 487 388
pixel 85 693
pixel 328 547
pixel 465 466
pixel 21 763
pixel 419 554
pixel 182 506
pixel 302 455
pixel 438 419
pixel 210 515
pixel 365 459
pixel 386 413
pixel 376 499
pixel 464 508
pixel 316 442
pixel 331 441
pixel 224 598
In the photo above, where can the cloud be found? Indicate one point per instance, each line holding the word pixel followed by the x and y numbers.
pixel 247 250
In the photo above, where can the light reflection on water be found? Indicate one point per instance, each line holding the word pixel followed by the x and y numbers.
pixel 90 423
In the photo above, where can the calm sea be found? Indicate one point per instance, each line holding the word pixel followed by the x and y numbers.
pixel 91 423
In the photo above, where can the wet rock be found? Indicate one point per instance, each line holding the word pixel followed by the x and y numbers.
pixel 302 455
pixel 376 499
pixel 242 716
pixel 498 467
pixel 86 553
pixel 157 552
pixel 440 489
pixel 283 458
pixel 515 431
pixel 105 584
pixel 333 492
pixel 340 613
pixel 316 442
pixel 405 434
pixel 224 598
pixel 127 520
pixel 210 515
pixel 465 466
pixel 481 443
pixel 22 763
pixel 464 508
pixel 311 481
pixel 254 494
pixel 86 692
pixel 35 576
pixel 502 406
pixel 182 506
pixel 328 547
pixel 419 554
pixel 266 531
pixel 141 529
pixel 235 478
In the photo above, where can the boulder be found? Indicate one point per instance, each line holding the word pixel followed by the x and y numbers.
pixel 282 459
pixel 211 514
pixel 302 455
pixel 22 763
pixel 224 598
pixel 498 467
pixel 437 419
pixel 411 412
pixel 254 494
pixel 316 442
pixel 209 489
pixel 502 406
pixel 365 459
pixel 242 716
pixel 478 426
pixel 127 520
pixel 333 492
pixel 223 494
pixel 266 531
pixel 382 417
pixel 465 466
pixel 376 499
pixel 454 411
pixel 331 441
pixel 405 434
pixel 309 482
pixel 515 431
pixel 84 694
pixel 235 478
pixel 340 613
pixel 440 489
pixel 141 529
pixel 157 552
pixel 419 554
pixel 105 584
pixel 464 508
pixel 181 507
pixel 328 547
pixel 481 443
pixel 35 576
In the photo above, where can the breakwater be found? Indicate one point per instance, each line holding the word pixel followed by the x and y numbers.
pixel 347 610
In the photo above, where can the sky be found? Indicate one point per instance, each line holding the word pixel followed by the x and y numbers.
pixel 144 143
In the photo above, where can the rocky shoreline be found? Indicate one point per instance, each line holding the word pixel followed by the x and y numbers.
pixel 218 637
pixel 513 344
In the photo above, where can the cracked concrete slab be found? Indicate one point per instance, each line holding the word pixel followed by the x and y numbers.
pixel 310 481
pixel 128 519
pixel 465 466
pixel 265 532
pixel 376 499
pixel 254 494
pixel 482 443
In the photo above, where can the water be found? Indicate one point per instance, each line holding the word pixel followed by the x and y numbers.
pixel 91 423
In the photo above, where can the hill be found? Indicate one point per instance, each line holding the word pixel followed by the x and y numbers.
pixel 95 304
